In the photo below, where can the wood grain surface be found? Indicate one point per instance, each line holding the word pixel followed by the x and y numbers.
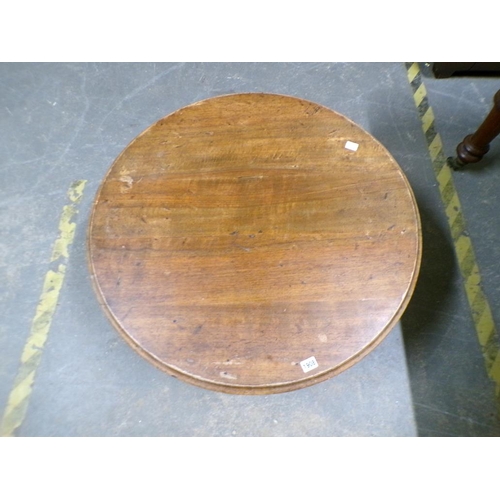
pixel 238 236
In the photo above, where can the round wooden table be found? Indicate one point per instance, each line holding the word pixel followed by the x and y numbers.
pixel 254 243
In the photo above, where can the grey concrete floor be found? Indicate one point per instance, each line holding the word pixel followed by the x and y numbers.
pixel 64 122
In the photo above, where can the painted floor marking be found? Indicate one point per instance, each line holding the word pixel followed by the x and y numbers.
pixel 18 400
pixel 478 303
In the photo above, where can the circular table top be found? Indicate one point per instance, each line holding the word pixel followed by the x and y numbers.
pixel 254 243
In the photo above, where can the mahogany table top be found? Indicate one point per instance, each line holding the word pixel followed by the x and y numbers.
pixel 254 243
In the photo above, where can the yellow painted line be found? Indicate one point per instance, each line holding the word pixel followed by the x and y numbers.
pixel 18 400
pixel 66 233
pixel 453 209
pixel 427 119
pixel 485 326
pixel 444 175
pixel 472 284
pixel 413 72
pixel 43 316
pixel 495 372
pixel 480 309
pixel 458 225
pixel 66 227
pixel 419 95
pixel 435 147
pixel 21 390
pixel 462 245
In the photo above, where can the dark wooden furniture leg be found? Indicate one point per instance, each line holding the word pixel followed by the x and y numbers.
pixel 476 145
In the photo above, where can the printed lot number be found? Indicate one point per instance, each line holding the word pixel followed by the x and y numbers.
pixel 309 364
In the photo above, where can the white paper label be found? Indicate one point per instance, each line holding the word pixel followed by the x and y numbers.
pixel 351 145
pixel 309 364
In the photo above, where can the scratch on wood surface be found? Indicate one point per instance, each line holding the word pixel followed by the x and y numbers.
pixel 128 183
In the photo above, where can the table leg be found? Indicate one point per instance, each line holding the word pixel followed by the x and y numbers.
pixel 476 145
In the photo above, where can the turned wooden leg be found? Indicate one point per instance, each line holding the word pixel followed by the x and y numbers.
pixel 476 145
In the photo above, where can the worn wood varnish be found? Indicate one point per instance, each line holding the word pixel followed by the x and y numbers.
pixel 238 236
